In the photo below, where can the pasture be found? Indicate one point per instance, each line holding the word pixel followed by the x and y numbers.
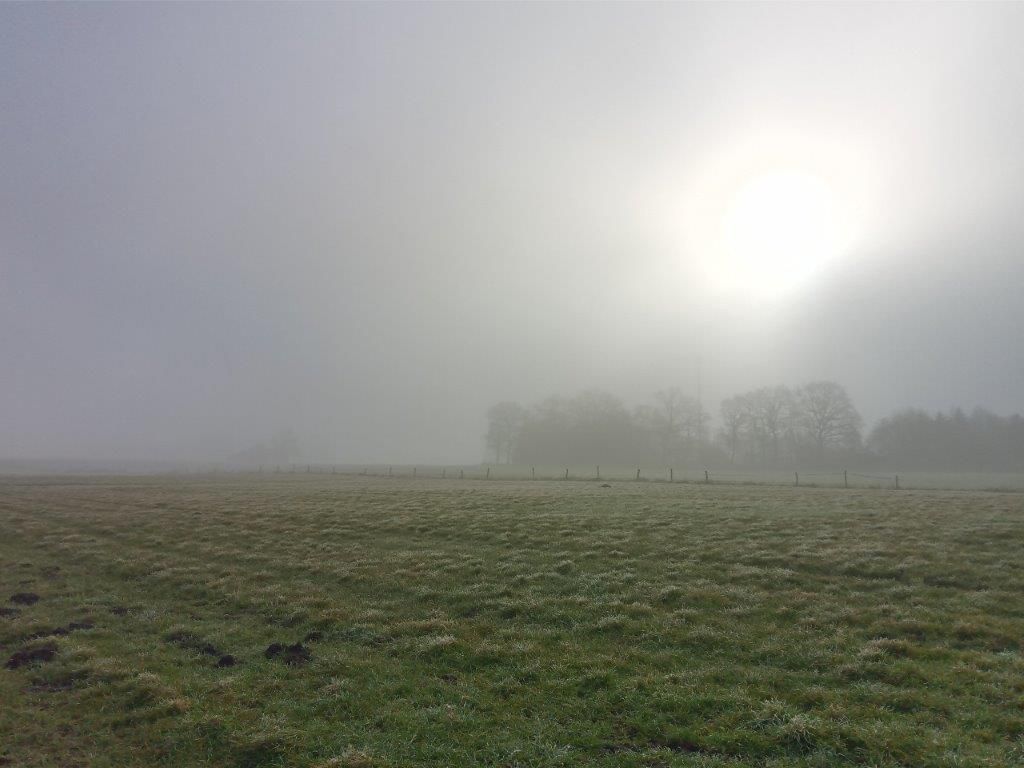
pixel 334 620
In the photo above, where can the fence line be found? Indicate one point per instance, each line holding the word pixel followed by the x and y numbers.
pixel 919 479
pixel 672 475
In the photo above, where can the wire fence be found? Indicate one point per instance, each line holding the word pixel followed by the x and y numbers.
pixel 639 474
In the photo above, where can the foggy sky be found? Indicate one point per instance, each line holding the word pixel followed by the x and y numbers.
pixel 366 223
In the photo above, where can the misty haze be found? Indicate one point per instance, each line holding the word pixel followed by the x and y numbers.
pixel 512 384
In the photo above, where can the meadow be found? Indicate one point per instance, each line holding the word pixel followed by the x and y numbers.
pixel 336 620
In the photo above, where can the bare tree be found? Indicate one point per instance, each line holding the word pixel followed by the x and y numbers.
pixel 828 416
pixel 736 416
pixel 504 423
pixel 772 411
pixel 667 420
pixel 677 418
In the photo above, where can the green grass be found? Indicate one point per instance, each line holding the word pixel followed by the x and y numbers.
pixel 508 624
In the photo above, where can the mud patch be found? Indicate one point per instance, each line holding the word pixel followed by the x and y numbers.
pixel 190 642
pixel 24 598
pixel 74 626
pixel 227 660
pixel 680 746
pixel 292 655
pixel 59 683
pixel 8 612
pixel 38 655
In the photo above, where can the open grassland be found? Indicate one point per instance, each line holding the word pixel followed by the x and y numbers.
pixel 324 620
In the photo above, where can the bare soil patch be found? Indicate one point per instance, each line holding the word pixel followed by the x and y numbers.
pixel 292 655
pixel 39 654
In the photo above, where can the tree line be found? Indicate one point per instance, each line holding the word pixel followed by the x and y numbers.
pixel 977 442
pixel 774 427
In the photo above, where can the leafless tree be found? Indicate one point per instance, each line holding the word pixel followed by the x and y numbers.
pixel 828 416
pixel 736 415
pixel 772 410
pixel 677 419
pixel 504 422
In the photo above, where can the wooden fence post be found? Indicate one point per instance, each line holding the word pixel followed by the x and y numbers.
pixel 707 477
pixel 897 482
pixel 488 473
pixel 533 473
pixel 638 473
pixel 845 483
pixel 671 475
pixel 796 482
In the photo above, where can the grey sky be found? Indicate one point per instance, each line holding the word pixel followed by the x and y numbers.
pixel 368 222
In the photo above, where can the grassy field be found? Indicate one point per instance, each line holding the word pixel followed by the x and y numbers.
pixel 319 620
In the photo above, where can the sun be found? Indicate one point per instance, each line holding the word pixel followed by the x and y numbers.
pixel 763 217
pixel 777 229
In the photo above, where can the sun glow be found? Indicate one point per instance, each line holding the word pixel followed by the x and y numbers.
pixel 780 227
pixel 768 219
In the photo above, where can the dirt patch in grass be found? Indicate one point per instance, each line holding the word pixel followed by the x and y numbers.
pixel 292 655
pixel 39 654
pixel 74 626
pixel 24 598
pixel 191 642
pixel 955 581
pixel 8 612
pixel 64 680
pixel 227 660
